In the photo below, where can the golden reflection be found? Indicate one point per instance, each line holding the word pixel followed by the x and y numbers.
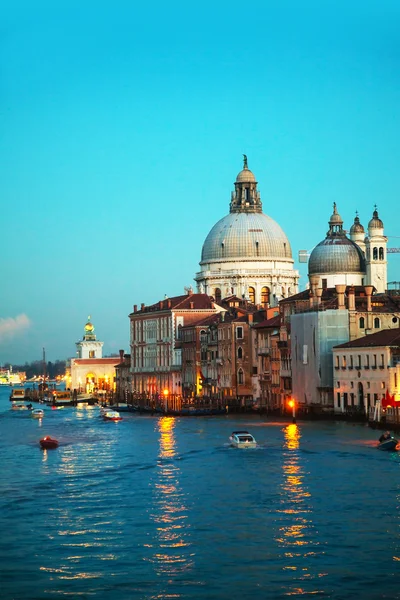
pixel 296 532
pixel 171 544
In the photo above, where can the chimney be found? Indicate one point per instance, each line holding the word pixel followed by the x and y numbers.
pixel 314 280
pixel 191 304
pixel 142 306
pixel 368 291
pixel 161 304
pixel 352 298
pixel 121 356
pixel 311 299
pixel 135 308
pixel 169 304
pixel 318 293
pixel 250 318
pixel 340 290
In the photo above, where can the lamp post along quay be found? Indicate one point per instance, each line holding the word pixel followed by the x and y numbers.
pixel 292 405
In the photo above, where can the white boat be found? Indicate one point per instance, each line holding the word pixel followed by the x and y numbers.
pixel 17 394
pixel 112 415
pixel 38 413
pixel 242 439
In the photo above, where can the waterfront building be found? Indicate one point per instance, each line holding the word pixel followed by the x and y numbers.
pixel 266 374
pixel 358 260
pixel 316 320
pixel 89 370
pixel 123 387
pixel 246 253
pixel 156 351
pixel 366 370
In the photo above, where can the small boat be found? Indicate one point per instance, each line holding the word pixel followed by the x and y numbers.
pixel 112 415
pixel 390 444
pixel 38 413
pixel 242 439
pixel 17 394
pixel 18 406
pixel 48 443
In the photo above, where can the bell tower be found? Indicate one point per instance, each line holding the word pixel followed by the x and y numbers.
pixel 376 254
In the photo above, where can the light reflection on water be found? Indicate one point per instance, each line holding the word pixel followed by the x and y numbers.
pixel 171 555
pixel 297 535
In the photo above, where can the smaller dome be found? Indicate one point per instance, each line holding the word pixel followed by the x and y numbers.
pixel 357 227
pixel 375 222
pixel 89 327
pixel 336 255
pixel 245 176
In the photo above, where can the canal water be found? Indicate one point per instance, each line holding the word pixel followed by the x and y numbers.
pixel 163 508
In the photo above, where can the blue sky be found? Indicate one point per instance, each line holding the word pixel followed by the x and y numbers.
pixel 123 128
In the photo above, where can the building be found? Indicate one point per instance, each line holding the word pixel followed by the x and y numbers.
pixel 358 260
pixel 247 254
pixel 366 370
pixel 90 372
pixel 156 350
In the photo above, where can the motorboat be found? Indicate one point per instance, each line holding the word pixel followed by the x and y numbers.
pixel 17 394
pixel 48 443
pixel 104 410
pixel 112 415
pixel 19 406
pixel 390 444
pixel 242 439
pixel 38 413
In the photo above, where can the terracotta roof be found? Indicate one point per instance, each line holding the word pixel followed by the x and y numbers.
pixel 274 322
pixel 386 337
pixel 113 360
pixel 200 302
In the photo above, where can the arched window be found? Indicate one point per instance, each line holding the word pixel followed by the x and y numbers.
pixel 240 376
pixel 381 254
pixel 240 352
pixel 377 323
pixel 375 254
pixel 264 297
pixel 252 295
pixel 217 295
pixel 362 323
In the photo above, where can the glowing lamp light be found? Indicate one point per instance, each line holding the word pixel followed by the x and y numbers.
pixel 165 392
pixel 291 403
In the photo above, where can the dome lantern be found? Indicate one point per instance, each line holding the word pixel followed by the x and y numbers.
pixel 246 197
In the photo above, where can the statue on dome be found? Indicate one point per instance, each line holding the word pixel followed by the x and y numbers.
pixel 245 162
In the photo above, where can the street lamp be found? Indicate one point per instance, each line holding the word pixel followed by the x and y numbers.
pixel 165 392
pixel 292 405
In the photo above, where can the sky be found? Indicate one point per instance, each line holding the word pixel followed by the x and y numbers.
pixel 123 127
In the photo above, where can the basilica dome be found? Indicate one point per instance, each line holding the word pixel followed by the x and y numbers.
pixel 243 235
pixel 336 253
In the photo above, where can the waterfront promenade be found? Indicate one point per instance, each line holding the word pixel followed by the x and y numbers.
pixel 160 507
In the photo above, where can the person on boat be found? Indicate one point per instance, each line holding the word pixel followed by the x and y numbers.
pixel 385 436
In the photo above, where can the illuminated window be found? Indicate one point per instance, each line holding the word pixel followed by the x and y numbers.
pixel 265 297
pixel 252 295
pixel 92 354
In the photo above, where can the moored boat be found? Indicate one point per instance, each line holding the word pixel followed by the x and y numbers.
pixel 19 406
pixel 242 439
pixel 112 415
pixel 48 443
pixel 17 394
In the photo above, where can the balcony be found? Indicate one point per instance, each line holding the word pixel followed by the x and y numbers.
pixel 264 351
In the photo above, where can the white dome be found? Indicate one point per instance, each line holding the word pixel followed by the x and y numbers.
pixel 240 236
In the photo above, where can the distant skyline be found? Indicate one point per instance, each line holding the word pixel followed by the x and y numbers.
pixel 123 130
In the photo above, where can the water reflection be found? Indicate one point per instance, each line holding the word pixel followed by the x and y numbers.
pixel 171 548
pixel 297 533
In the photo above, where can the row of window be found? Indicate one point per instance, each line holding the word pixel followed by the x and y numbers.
pixel 348 362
